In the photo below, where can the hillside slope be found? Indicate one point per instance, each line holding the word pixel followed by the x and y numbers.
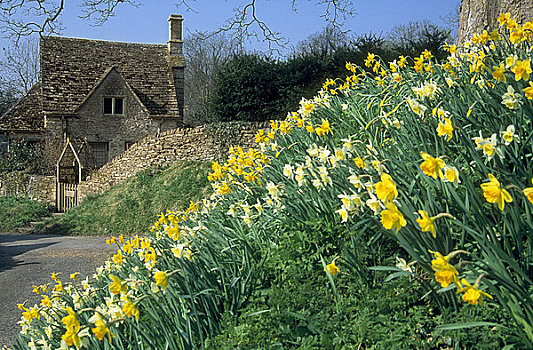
pixel 133 205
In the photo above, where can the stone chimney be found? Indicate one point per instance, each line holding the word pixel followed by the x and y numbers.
pixel 176 60
pixel 175 42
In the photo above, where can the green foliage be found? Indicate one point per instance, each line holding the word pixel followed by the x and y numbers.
pixel 247 89
pixel 21 156
pixel 299 310
pixel 131 206
pixel 252 87
pixel 16 212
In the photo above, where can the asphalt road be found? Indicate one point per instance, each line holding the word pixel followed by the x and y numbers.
pixel 27 260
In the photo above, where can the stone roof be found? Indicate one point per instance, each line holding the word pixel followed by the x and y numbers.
pixel 26 114
pixel 70 69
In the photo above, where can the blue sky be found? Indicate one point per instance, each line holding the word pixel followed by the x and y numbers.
pixel 148 23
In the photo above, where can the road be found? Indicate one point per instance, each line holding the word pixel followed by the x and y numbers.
pixel 27 260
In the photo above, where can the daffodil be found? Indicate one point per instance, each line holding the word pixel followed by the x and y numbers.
pixel 528 91
pixel 472 294
pixel 117 286
pixel 528 192
pixel 332 268
pixel 511 99
pixel 386 188
pixel 451 174
pixel 324 128
pixel 161 279
pixel 509 135
pixel 445 273
pixel 499 72
pixel 494 193
pixel 504 18
pixel 522 69
pixel 426 223
pixel 445 128
pixel 129 309
pixel 101 328
pixel 392 217
pixel 73 327
pixel 432 166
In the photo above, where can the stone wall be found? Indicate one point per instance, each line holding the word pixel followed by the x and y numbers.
pixel 37 187
pixel 203 143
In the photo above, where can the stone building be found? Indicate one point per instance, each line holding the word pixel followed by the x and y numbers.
pixel 108 94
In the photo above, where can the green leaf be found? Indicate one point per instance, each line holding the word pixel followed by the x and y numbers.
pixel 453 326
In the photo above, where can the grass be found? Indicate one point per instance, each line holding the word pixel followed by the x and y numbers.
pixel 16 212
pixel 131 207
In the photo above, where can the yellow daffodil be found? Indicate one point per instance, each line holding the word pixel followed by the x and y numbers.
pixel 445 273
pixel 472 294
pixel 528 91
pixel 426 223
pixel 517 35
pixel 392 217
pixel 499 73
pixel 343 212
pixel 324 128
pixel 101 328
pixel 117 258
pixel 445 128
pixel 504 18
pixel 116 286
pixel 522 69
pixel 432 166
pixel 359 162
pixel 161 279
pixel 386 189
pixel 494 193
pixel 332 268
pixel 129 309
pixel 451 174
pixel 73 327
pixel 74 276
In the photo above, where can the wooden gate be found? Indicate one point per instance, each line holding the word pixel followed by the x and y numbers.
pixel 67 196
pixel 69 173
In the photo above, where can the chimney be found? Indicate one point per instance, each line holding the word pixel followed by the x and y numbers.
pixel 176 62
pixel 175 42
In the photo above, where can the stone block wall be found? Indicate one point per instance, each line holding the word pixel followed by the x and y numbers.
pixel 203 143
pixel 37 187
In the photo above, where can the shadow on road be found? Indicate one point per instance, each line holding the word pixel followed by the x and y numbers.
pixel 12 245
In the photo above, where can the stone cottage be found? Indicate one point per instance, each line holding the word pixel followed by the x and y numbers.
pixel 108 94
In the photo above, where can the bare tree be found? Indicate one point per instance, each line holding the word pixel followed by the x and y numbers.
pixel 324 42
pixel 20 64
pixel 20 18
pixel 24 17
pixel 478 15
pixel 205 55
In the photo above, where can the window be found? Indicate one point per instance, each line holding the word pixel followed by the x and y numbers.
pixel 114 105
pixel 100 152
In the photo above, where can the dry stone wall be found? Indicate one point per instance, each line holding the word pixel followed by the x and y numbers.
pixel 37 187
pixel 203 143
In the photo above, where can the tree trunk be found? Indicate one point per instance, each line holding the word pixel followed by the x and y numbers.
pixel 478 15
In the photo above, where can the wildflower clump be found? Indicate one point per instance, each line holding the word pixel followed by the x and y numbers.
pixel 363 159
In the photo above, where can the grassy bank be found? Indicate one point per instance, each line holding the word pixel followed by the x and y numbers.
pixel 17 212
pixel 133 205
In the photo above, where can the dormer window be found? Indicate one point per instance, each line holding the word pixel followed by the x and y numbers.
pixel 114 105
